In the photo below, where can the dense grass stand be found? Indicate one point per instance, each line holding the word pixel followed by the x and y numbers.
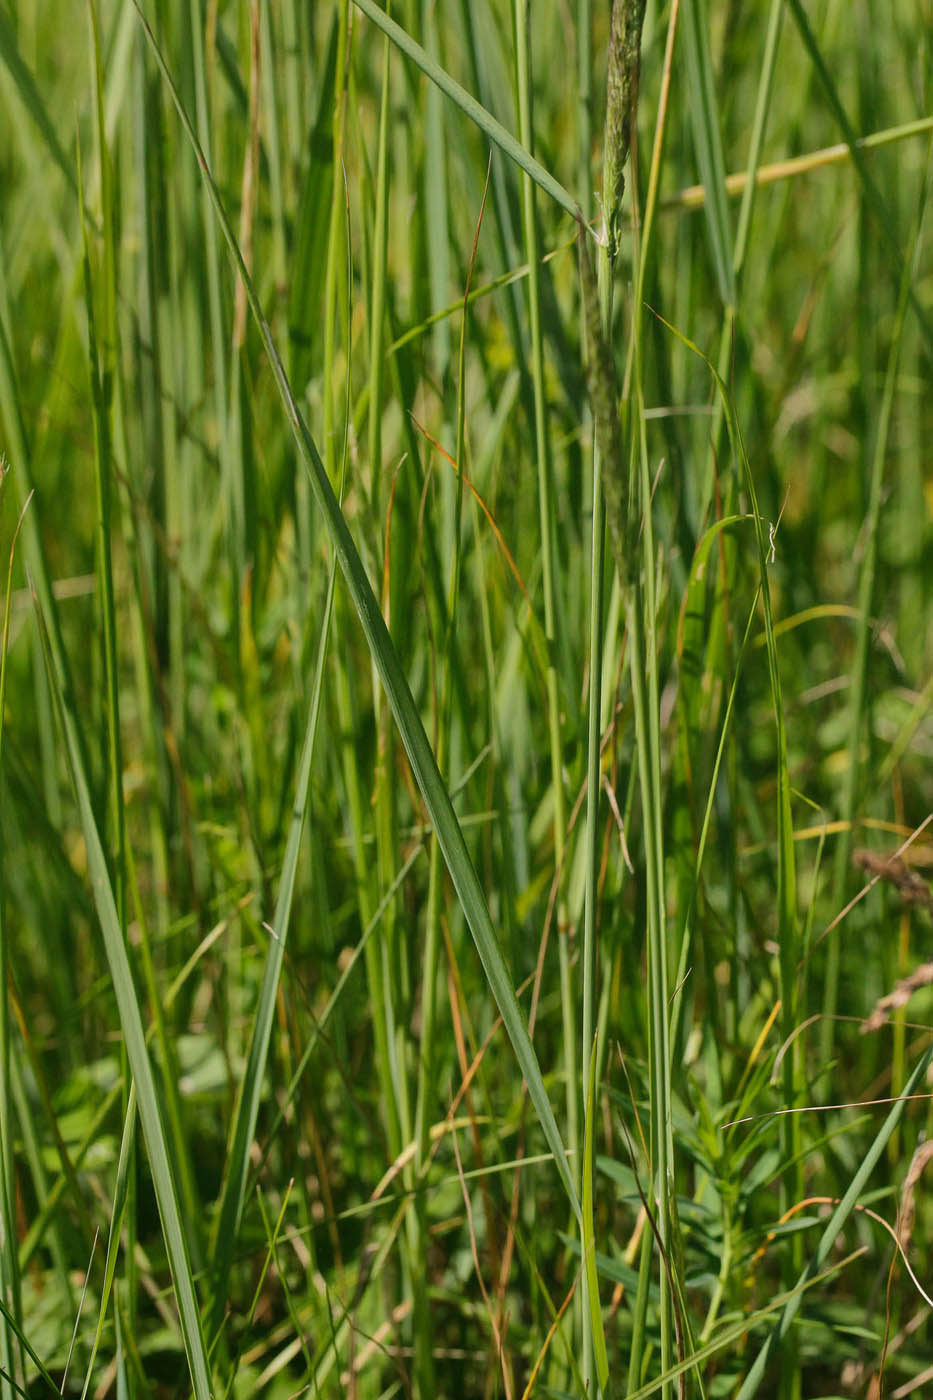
pixel 465 699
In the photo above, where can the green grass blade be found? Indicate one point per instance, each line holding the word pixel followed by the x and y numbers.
pixel 121 1198
pixel 435 184
pixel 424 766
pixel 547 524
pixel 244 1125
pixel 595 1319
pixel 9 1256
pixel 470 107
pixel 157 1146
pixel 103 356
pixel 378 295
pixel 708 142
pixel 762 109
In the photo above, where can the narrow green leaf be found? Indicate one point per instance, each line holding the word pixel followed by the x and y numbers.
pixel 157 1146
pixel 555 631
pixel 589 1235
pixel 470 107
pixel 244 1126
pixel 708 142
pixel 9 1253
pixel 424 766
pixel 120 1200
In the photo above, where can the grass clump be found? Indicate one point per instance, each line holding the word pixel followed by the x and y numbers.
pixel 510 947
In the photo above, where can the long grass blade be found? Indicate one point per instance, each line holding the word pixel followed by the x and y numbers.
pixel 121 1198
pixel 247 1111
pixel 157 1145
pixel 708 142
pixel 436 798
pixel 595 1319
pixel 9 1253
pixel 470 107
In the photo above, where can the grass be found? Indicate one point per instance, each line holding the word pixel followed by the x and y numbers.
pixel 464 729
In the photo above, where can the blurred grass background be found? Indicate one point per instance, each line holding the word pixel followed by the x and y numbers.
pixel 355 1220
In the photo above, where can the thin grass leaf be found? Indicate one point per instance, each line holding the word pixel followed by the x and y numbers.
pixel 247 1111
pixel 595 1319
pixel 157 1146
pixel 470 107
pixel 762 109
pixel 121 1197
pixel 436 798
pixel 31 1352
pixel 9 1251
pixel 378 293
pixel 701 87
pixel 211 253
pixel 436 193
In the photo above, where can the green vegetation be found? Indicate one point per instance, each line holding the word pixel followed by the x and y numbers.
pixel 466 532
